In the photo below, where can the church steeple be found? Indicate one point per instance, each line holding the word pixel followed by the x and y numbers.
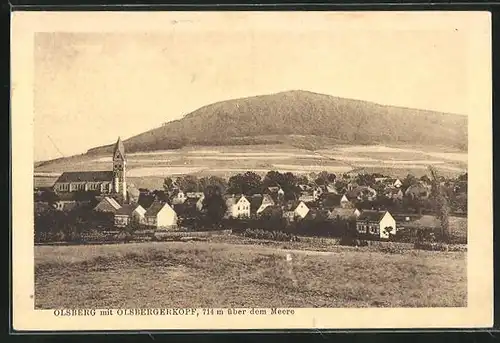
pixel 119 170
pixel 119 149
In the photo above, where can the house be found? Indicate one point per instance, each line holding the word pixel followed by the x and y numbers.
pixel 330 188
pixel 272 211
pixel 276 193
pixel 329 201
pixel 362 193
pixel 396 183
pixel 297 209
pixel 307 197
pixel 394 193
pixel 146 199
pixel 427 222
pixel 376 223
pixel 343 213
pixel 316 214
pixel 259 202
pixel 109 181
pixel 418 191
pixel 177 197
pixel 128 214
pixel 237 206
pixel 194 194
pixel 69 201
pixel 107 205
pixel 191 208
pixel 160 215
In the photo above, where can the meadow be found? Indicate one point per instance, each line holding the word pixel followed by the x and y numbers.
pixel 216 274
pixel 146 167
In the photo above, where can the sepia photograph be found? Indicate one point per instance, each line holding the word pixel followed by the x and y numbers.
pixel 253 165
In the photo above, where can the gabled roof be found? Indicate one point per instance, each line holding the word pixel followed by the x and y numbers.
pixel 86 176
pixel 127 209
pixel 112 202
pixel 232 199
pixel 119 147
pixel 343 213
pixel 156 207
pixel 371 216
pixel 294 204
pixel 424 222
pixel 255 202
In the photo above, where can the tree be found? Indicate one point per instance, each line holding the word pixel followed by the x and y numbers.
pixel 248 183
pixel 287 181
pixel 463 177
pixel 214 205
pixel 365 180
pixel 409 180
pixel 204 182
pixel 341 186
pixel 425 179
pixel 441 204
pixel 188 183
pixel 168 184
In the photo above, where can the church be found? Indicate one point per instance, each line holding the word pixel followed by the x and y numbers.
pixel 103 182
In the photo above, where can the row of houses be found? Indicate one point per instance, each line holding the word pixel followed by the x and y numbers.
pixel 159 215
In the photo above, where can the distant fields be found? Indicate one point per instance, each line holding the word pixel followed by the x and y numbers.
pixel 146 168
pixel 208 274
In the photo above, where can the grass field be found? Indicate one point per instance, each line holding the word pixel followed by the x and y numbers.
pixel 228 160
pixel 208 274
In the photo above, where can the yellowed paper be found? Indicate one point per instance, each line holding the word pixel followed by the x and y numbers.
pixel 80 80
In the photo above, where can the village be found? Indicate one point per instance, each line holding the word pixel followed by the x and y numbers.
pixel 371 206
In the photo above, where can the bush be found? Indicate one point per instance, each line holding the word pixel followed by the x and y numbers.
pixel 353 241
pixel 270 235
pixel 431 246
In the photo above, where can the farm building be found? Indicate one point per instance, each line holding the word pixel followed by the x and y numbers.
pixel 129 213
pixel 377 223
pixel 161 215
pixel 296 210
pixel 343 213
pixel 178 197
pixel 107 205
pixel 237 206
pixel 362 193
pixel 191 208
pixel 258 203
pixel 334 200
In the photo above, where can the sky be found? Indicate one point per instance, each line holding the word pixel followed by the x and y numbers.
pixel 91 87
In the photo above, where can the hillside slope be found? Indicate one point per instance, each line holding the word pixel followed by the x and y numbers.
pixel 275 118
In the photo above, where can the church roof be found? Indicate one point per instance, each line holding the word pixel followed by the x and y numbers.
pixel 119 147
pixel 86 176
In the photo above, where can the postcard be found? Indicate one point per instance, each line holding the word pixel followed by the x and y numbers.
pixel 251 170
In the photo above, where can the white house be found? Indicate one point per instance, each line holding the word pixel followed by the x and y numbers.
pixel 130 213
pixel 397 183
pixel 296 210
pixel 178 197
pixel 378 223
pixel 237 206
pixel 161 215
pixel 259 202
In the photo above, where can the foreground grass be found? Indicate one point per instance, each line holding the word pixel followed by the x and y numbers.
pixel 201 274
